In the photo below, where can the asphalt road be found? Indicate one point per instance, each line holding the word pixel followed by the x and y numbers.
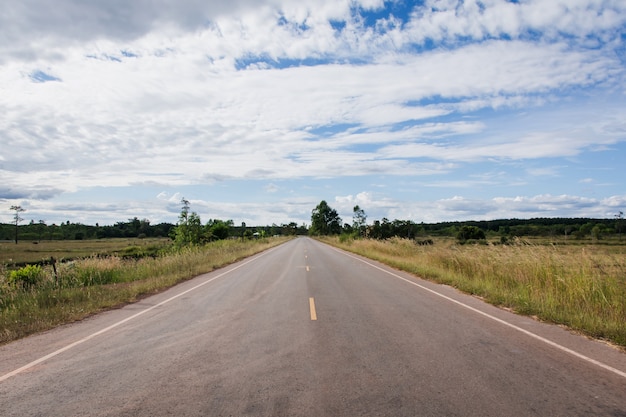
pixel 307 330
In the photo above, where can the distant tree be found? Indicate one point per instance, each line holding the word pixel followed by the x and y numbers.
pixel 133 226
pixel 40 228
pixel 470 233
pixel 188 231
pixel 16 218
pixel 290 229
pixel 218 229
pixel 358 220
pixel 381 229
pixel 619 220
pixel 325 220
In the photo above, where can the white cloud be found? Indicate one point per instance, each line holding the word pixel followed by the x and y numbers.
pixel 129 94
pixel 461 208
pixel 451 20
pixel 271 188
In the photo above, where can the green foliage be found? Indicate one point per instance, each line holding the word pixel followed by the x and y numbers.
pixel 190 232
pixel 325 220
pixel 348 237
pixel 189 228
pixel 470 233
pixel 40 231
pixel 218 229
pixel 26 277
pixel 359 220
pixel 386 229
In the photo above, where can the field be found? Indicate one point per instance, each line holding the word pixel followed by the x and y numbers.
pixel 580 286
pixel 33 251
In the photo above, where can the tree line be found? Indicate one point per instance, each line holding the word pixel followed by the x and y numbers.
pixel 188 230
pixel 324 221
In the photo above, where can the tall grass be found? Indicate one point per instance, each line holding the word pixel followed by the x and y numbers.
pixel 87 286
pixel 583 288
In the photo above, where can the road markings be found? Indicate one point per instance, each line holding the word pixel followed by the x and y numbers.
pixel 506 323
pixel 106 329
pixel 307 268
pixel 312 308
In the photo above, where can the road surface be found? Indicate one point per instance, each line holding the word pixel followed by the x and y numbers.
pixel 307 330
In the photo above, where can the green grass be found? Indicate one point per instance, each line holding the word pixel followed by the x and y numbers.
pixel 87 286
pixel 582 287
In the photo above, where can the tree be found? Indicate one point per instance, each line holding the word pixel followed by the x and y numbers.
pixel 290 229
pixel 358 220
pixel 470 233
pixel 218 229
pixel 16 218
pixel 619 220
pixel 40 228
pixel 325 220
pixel 189 228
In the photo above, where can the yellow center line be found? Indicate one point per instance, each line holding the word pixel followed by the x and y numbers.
pixel 312 308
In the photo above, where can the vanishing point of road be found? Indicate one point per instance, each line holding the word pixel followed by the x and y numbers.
pixel 307 330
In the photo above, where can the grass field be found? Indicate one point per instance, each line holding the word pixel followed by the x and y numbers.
pixel 32 251
pixel 582 287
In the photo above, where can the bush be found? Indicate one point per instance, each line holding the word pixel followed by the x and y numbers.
pixel 26 277
pixel 347 237
pixel 470 233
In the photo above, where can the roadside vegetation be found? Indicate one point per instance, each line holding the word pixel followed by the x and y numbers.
pixel 36 298
pixel 52 282
pixel 579 286
pixel 565 271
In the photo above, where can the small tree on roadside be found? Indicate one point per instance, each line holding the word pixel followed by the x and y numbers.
pixel 325 220
pixel 358 220
pixel 17 219
pixel 188 231
pixel 218 229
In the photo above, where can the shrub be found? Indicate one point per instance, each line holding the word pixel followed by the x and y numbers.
pixel 348 237
pixel 470 233
pixel 26 277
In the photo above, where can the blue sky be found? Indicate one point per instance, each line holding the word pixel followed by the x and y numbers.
pixel 255 111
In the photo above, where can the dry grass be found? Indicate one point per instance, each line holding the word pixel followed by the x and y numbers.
pixel 32 251
pixel 583 287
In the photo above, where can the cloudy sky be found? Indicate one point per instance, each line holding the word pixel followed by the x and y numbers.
pixel 256 110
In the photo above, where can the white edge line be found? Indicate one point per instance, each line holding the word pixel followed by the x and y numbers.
pixel 519 329
pixel 119 323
